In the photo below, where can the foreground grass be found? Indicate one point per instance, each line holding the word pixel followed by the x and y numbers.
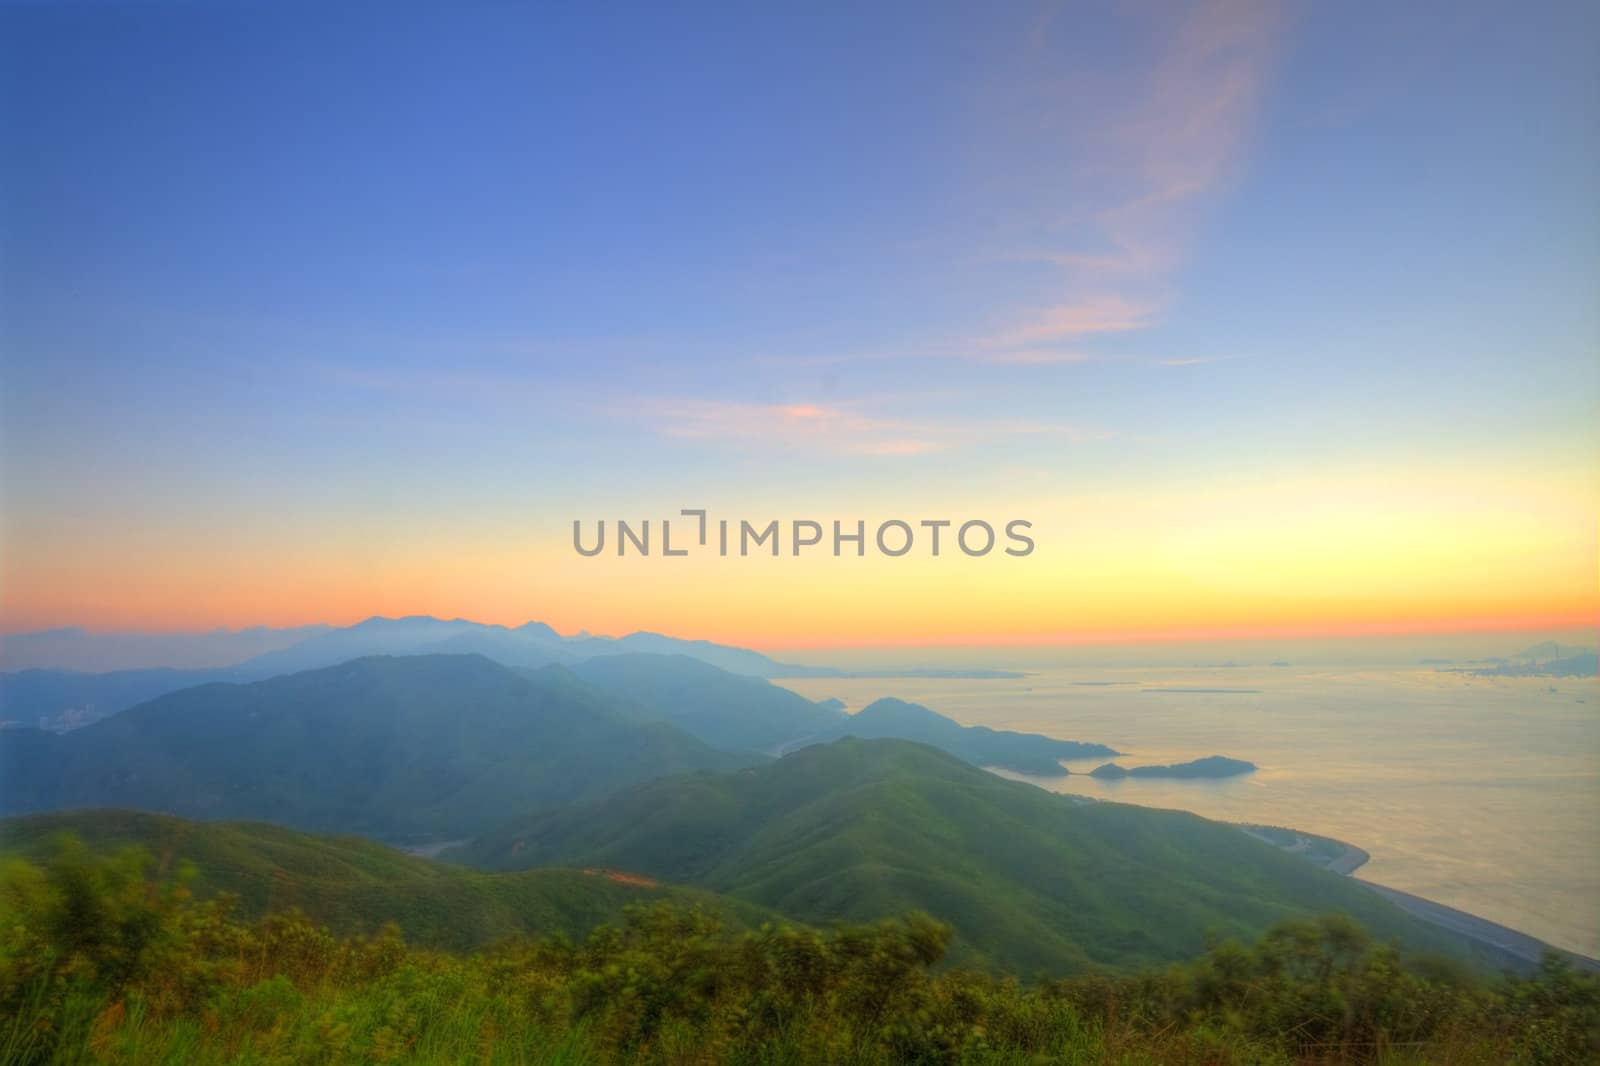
pixel 100 964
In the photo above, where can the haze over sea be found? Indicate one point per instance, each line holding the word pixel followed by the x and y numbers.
pixel 1476 792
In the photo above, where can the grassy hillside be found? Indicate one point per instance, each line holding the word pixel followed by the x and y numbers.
pixel 729 711
pixel 434 745
pixel 97 964
pixel 1031 880
pixel 1028 753
pixel 353 885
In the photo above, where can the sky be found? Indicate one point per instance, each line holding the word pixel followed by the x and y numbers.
pixel 1271 319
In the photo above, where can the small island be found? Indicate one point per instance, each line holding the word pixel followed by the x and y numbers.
pixel 1212 766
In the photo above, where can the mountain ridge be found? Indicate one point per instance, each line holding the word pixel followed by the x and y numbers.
pixel 386 746
pixel 1030 879
pixel 1029 753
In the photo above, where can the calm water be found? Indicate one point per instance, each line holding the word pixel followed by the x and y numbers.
pixel 1483 794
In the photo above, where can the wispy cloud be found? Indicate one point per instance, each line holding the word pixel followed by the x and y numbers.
pixel 972 351
pixel 1196 360
pixel 1042 357
pixel 1101 178
pixel 1159 160
pixel 836 429
pixel 832 428
pixel 1111 314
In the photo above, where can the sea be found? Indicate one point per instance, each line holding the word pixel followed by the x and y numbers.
pixel 1479 792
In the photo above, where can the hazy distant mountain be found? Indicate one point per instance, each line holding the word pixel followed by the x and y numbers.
pixel 415 745
pixel 531 644
pixel 1548 659
pixel 59 700
pixel 726 710
pixel 734 660
pixel 415 635
pixel 67 699
pixel 76 648
pixel 1028 753
pixel 743 661
pixel 1549 651
pixel 861 830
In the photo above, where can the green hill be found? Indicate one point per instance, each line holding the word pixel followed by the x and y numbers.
pixel 100 964
pixel 1030 880
pixel 429 746
pixel 729 711
pixel 353 885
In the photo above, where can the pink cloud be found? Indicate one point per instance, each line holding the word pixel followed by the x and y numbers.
pixel 1111 314
pixel 1151 165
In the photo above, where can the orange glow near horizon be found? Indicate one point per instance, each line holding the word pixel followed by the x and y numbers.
pixel 1587 623
pixel 1351 556
pixel 972 607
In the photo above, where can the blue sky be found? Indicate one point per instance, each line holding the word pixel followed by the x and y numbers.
pixel 271 266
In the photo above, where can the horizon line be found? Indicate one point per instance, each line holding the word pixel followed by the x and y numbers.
pixel 1180 634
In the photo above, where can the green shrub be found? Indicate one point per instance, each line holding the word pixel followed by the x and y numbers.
pixel 100 964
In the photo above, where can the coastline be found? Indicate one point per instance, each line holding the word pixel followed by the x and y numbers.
pixel 1498 940
pixel 1506 947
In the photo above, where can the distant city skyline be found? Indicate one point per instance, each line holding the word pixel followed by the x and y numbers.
pixel 1274 320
